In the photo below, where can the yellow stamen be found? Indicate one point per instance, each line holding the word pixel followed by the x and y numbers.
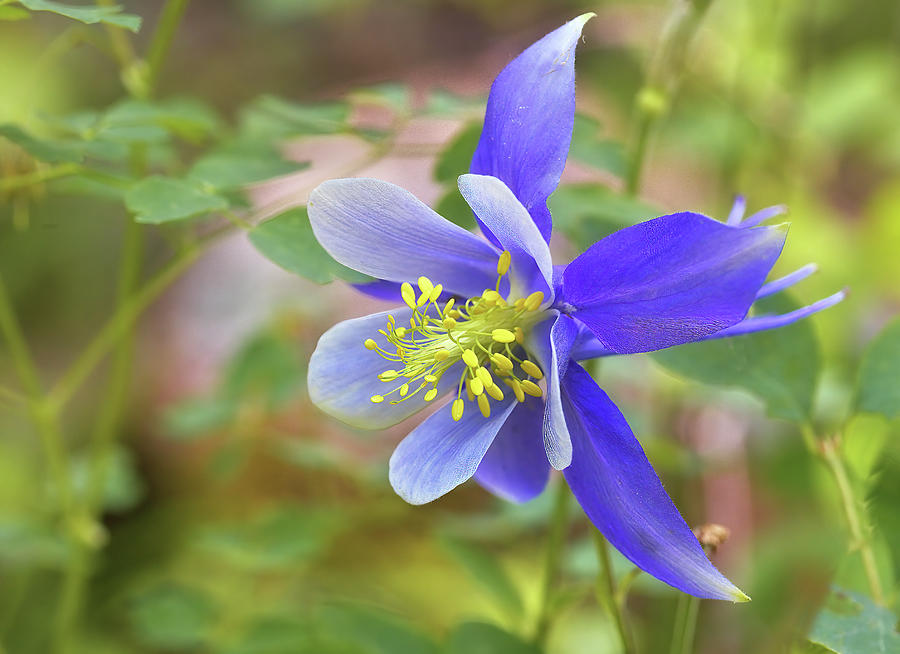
pixel 425 285
pixel 532 369
pixel 501 361
pixel 404 389
pixel 430 395
pixel 485 377
pixel 477 386
pixel 377 399
pixel 534 301
pixel 456 409
pixel 448 323
pixel 470 359
pixel 503 335
pixel 370 344
pixel 520 336
pixel 503 263
pixel 531 388
pixel 495 392
pixel 484 405
pixel 408 295
pixel 441 355
pixel 517 389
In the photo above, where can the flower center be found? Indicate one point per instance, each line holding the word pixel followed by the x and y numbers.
pixel 487 334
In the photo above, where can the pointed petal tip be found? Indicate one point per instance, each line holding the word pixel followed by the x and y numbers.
pixel 740 597
pixel 585 17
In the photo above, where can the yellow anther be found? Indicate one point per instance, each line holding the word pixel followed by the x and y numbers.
pixel 430 379
pixel 377 399
pixel 454 313
pixel 501 361
pixel 436 292
pixel 501 302
pixel 448 323
pixel 470 359
pixel 485 377
pixel 495 392
pixel 430 395
pixel 518 304
pixel 501 372
pixel 534 301
pixel 388 375
pixel 441 355
pixel 490 296
pixel 517 389
pixel 449 305
pixel 425 285
pixel 469 392
pixel 391 320
pixel 531 388
pixel 456 409
pixel 408 294
pixel 370 344
pixel 520 336
pixel 424 298
pixel 400 331
pixel 476 386
pixel 532 369
pixel 503 335
pixel 404 390
pixel 485 406
pixel 503 262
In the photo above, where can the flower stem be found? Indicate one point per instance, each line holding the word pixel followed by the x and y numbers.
pixel 555 540
pixel 168 23
pixel 664 74
pixel 608 595
pixel 685 624
pixel 38 176
pixel 45 419
pixel 828 450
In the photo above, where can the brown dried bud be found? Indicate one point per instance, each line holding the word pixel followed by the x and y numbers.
pixel 712 535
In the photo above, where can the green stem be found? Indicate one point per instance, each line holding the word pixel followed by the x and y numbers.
pixel 661 84
pixel 685 627
pixel 555 541
pixel 44 417
pixel 608 595
pixel 118 325
pixel 162 39
pixel 829 451
pixel 37 177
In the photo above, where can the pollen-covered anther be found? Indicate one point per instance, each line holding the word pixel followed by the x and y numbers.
pixel 504 262
pixel 503 335
pixel 484 376
pixel 531 369
pixel 430 395
pixel 494 391
pixel 377 399
pixel 484 405
pixel 470 358
pixel 531 388
pixel 370 344
pixel 533 302
pixel 456 409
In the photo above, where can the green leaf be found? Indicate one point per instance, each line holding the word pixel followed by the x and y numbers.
pixel 195 418
pixel 268 367
pixel 884 497
pixel 878 389
pixel 391 95
pixel 779 366
pixel 485 570
pixel 25 543
pixel 288 241
pixel 156 200
pixel 454 208
pixel 123 488
pixel 13 13
pixel 232 170
pixel 457 156
pixel 852 624
pixel 45 150
pixel 172 616
pixel 862 442
pixel 186 118
pixel 585 213
pixel 282 538
pixel 483 638
pixel 273 118
pixel 588 148
pixel 374 632
pixel 111 15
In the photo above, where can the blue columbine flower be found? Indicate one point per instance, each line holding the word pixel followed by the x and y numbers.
pixel 496 328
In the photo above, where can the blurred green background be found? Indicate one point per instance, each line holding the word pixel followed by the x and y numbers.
pixel 236 518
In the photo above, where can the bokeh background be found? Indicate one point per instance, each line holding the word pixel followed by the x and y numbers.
pixel 236 518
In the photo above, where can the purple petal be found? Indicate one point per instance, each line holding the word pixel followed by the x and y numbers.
pixel 529 119
pixel 586 345
pixel 778 285
pixel 736 215
pixel 515 466
pixel 380 289
pixel 763 215
pixel 669 280
pixel 382 230
pixel 621 494
pixel 343 374
pixel 551 341
pixel 513 229
pixel 761 323
pixel 441 453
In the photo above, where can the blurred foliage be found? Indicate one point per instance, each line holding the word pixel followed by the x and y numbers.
pixel 228 516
